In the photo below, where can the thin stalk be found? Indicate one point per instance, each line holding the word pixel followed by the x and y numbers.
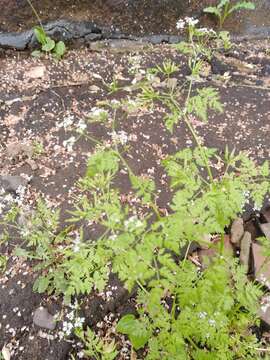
pixel 156 267
pixel 36 14
pixel 142 287
pixel 221 248
pixel 190 127
pixel 193 132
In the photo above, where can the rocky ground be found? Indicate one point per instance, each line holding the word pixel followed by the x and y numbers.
pixel 42 104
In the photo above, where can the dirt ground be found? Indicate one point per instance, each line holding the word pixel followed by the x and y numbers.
pixel 36 95
pixel 139 16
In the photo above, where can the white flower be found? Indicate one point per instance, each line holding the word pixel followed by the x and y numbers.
pixel 81 126
pixel 212 322
pixel 76 243
pixel 133 223
pixel 67 328
pixel 98 114
pixel 180 24
pixel 68 144
pixel 67 121
pixel 119 137
pixel 70 316
pixel 79 322
pixel 202 314
pixel 191 21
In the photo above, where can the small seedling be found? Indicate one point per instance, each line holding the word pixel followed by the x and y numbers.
pixel 225 8
pixel 48 45
pixel 38 149
pixel 113 86
pixel 168 67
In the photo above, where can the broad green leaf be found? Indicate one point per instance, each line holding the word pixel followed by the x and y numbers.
pixel 40 35
pixel 242 6
pixel 49 44
pixel 212 10
pixel 59 49
pixel 135 330
pixel 126 324
pixel 222 3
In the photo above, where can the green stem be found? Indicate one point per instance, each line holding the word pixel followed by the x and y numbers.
pixel 221 249
pixel 36 14
pixel 142 287
pixel 190 127
pixel 156 267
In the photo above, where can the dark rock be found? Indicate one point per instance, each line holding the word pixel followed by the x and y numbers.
pixel 237 231
pixel 44 319
pixel 220 67
pixel 266 214
pixel 163 38
pixel 206 256
pixel 14 40
pixel 82 31
pixel 245 250
pixel 11 183
pixel 265 229
pixel 264 312
pixel 261 265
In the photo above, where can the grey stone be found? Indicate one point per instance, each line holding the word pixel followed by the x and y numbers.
pixel 42 318
pixel 264 311
pixel 245 249
pixel 11 183
pixel 261 265
pixel 237 231
pixel 266 229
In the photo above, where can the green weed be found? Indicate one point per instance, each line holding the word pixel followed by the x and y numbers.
pixel 225 8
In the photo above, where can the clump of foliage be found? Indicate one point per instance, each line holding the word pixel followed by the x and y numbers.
pixel 48 45
pixel 95 347
pixel 182 312
pixel 226 7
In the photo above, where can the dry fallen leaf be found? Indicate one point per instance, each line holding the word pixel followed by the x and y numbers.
pixel 36 72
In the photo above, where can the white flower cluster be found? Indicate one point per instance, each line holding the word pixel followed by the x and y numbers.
pixel 120 137
pixel 69 143
pixel 133 223
pixel 5 199
pixel 20 192
pixel 81 126
pixel 206 31
pixel 73 321
pixel 246 196
pixel 263 279
pixel 67 121
pixel 256 207
pixel 265 304
pixel 70 120
pixel 98 114
pixel 204 315
pixel 187 21
pixel 76 243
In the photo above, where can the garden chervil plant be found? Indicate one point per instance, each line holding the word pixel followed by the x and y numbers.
pixel 182 312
